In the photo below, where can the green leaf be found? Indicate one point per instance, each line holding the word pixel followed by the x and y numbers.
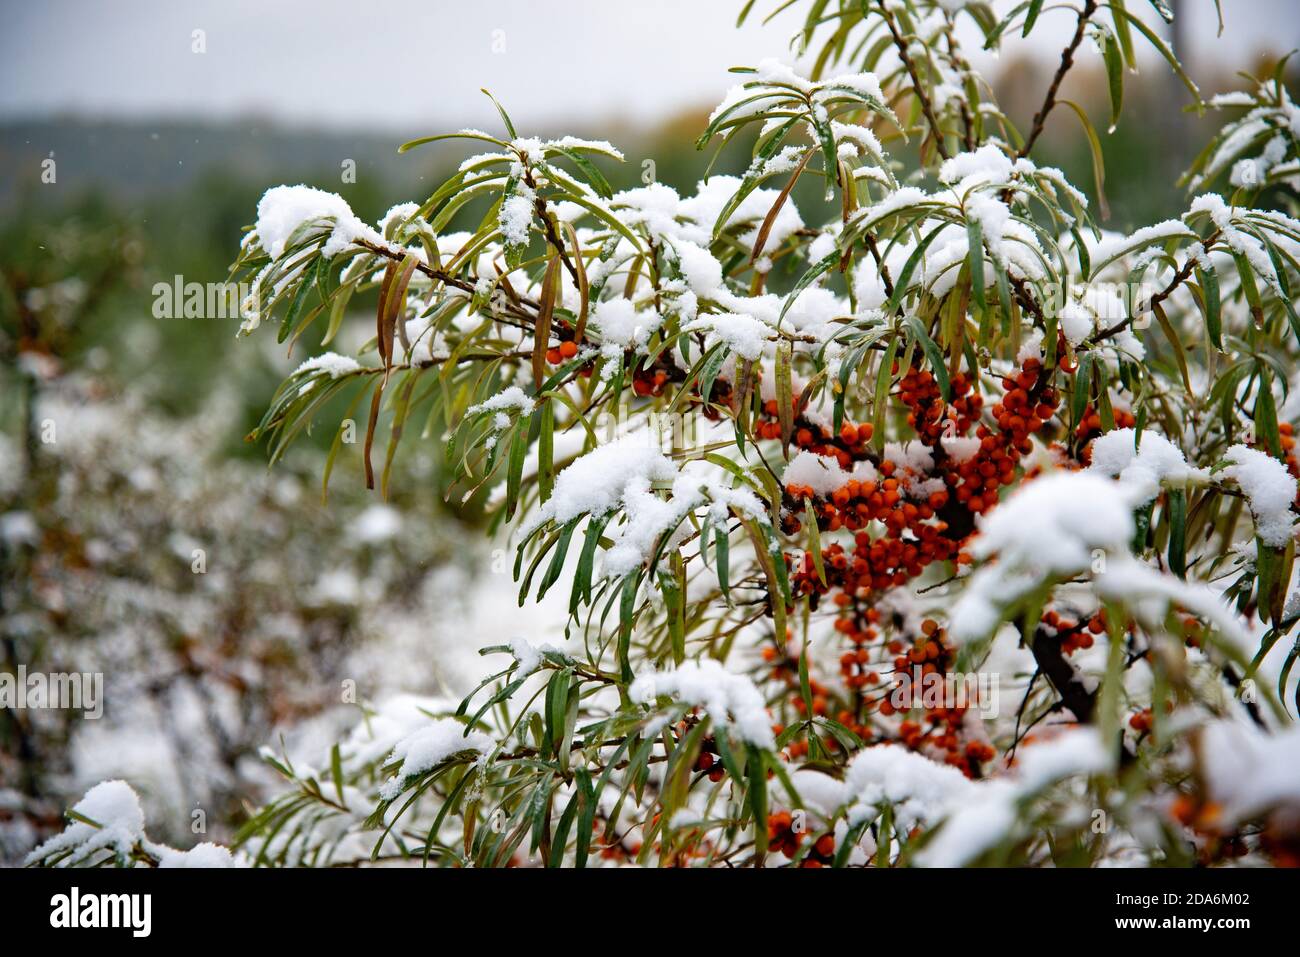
pixel 909 267
pixel 1265 415
pixel 1082 389
pixel 336 771
pixel 1180 354
pixel 1163 49
pixel 1250 288
pixel 753 176
pixel 588 169
pixel 515 468
pixel 814 540
pixel 1177 499
pixel 756 770
pixel 299 298
pixel 933 354
pixel 886 836
pixel 510 127
pixel 807 279
pixel 880 401
pixel 467 135
pixel 1094 150
pixel 546 451
pixel 557 704
pixel 626 610
pixel 586 562
pixel 1031 16
pixel 784 390
pixel 1285 673
pixel 557 558
pixel 1209 282
pixel 585 818
pixel 805 686
pixel 1113 58
pixel 975 260
pixel 721 552
pixel 1123 33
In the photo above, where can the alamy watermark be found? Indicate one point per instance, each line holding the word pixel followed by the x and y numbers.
pixel 179 299
pixel 1107 303
pixel 75 691
pixel 921 689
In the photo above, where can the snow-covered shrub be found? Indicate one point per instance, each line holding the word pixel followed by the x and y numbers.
pixel 803 473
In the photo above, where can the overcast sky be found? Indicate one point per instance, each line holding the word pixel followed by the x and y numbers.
pixel 405 64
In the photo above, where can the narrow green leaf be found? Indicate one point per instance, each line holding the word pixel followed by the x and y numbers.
pixel 933 354
pixel 1209 282
pixel 1177 499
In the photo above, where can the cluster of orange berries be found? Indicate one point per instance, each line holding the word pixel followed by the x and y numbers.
pixel 1026 406
pixel 784 838
pixel 1075 636
pixel 943 734
pixel 929 415
pixel 849 445
pixel 917 526
pixel 922 521
pixel 649 382
pixel 564 351
pixel 940 728
pixel 930 651
pixel 914 529
pixel 912 540
pixel 856 667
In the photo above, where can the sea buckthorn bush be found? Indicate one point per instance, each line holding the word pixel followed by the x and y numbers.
pixel 933 523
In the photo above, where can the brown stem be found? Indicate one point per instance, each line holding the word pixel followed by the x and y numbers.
pixel 552 236
pixel 1179 278
pixel 429 271
pixel 926 106
pixel 1073 693
pixel 963 66
pixel 1067 61
pixel 1069 686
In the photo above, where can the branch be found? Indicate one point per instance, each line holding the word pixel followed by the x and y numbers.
pixel 963 67
pixel 1179 278
pixel 438 274
pixel 1071 689
pixel 429 271
pixel 1074 694
pixel 1067 61
pixel 926 106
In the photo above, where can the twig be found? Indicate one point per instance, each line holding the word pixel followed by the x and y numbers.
pixel 1067 61
pixel 926 106
pixel 1179 278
